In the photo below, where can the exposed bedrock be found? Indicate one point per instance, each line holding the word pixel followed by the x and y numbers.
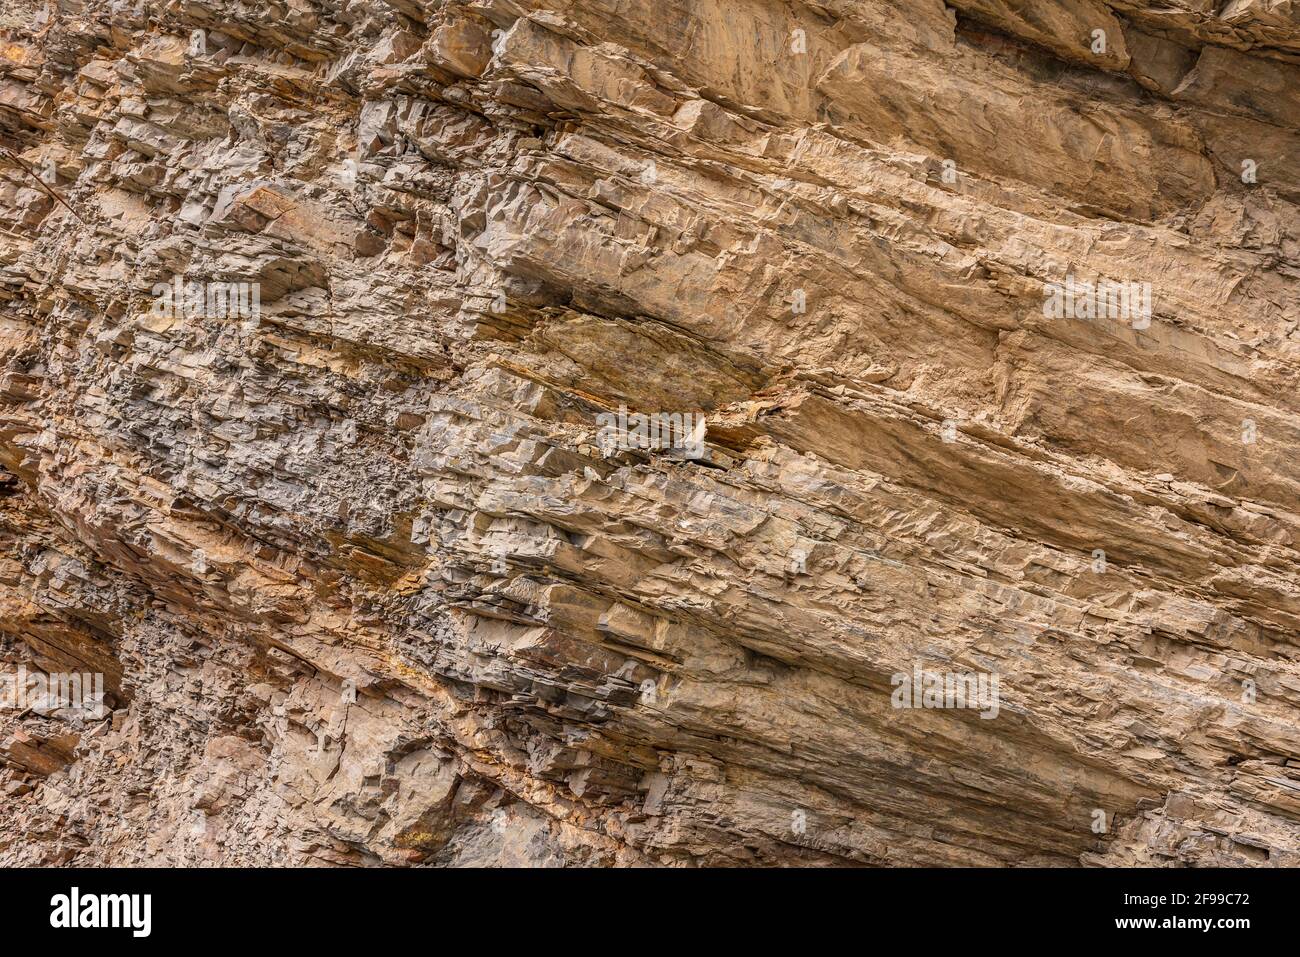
pixel 369 581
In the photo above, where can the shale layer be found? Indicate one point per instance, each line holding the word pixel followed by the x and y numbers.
pixel 366 587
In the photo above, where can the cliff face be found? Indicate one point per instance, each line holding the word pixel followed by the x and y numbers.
pixel 369 581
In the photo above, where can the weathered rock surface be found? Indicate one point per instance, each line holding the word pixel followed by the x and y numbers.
pixel 479 224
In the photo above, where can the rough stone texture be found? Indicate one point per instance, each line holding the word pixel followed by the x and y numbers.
pixel 390 477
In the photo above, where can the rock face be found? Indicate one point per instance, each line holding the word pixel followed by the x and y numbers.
pixel 370 580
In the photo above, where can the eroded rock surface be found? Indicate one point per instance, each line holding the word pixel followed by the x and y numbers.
pixel 366 589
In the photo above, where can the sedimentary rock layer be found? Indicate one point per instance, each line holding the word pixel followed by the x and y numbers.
pixel 368 583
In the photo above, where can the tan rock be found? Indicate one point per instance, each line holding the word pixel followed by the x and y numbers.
pixel 614 432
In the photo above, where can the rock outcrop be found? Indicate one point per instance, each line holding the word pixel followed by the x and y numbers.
pixel 370 578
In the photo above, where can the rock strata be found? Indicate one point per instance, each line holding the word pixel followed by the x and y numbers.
pixel 310 311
